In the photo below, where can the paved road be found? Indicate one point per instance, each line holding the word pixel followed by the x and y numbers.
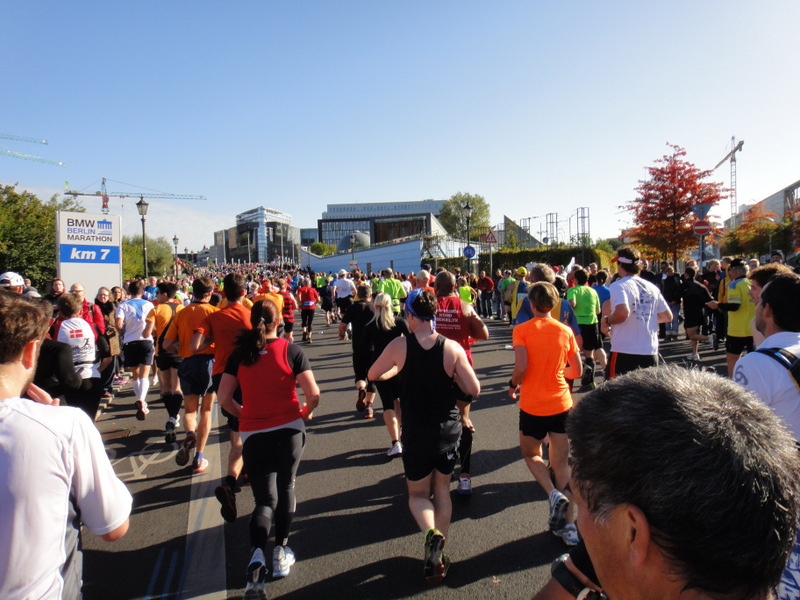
pixel 353 535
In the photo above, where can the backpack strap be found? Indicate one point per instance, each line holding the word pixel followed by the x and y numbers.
pixel 163 334
pixel 787 359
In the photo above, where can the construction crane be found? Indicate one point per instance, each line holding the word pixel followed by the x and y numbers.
pixel 732 156
pixel 104 194
pixel 19 138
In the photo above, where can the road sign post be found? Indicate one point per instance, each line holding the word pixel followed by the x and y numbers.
pixel 701 228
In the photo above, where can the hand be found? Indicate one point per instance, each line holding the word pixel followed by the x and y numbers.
pixel 512 392
pixel 37 394
pixel 713 305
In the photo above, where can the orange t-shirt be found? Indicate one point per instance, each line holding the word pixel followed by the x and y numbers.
pixel 186 323
pixel 224 326
pixel 276 299
pixel 549 344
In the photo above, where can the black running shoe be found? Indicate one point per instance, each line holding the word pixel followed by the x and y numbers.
pixel 227 499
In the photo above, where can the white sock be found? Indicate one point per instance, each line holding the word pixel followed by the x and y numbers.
pixel 136 387
pixel 144 385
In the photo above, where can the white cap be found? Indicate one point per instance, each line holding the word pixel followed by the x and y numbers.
pixel 9 278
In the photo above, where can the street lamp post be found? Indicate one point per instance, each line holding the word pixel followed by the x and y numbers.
pixel 175 241
pixel 467 212
pixel 141 206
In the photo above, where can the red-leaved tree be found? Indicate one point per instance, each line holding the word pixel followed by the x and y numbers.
pixel 662 211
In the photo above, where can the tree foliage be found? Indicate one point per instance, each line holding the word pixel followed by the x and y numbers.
pixel 662 211
pixel 759 232
pixel 159 257
pixel 28 233
pixel 322 249
pixel 452 215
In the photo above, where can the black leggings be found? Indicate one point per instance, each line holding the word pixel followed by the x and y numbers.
pixel 307 316
pixel 271 459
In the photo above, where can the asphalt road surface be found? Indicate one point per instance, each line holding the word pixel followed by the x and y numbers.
pixel 353 534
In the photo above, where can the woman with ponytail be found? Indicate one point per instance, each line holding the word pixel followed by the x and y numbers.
pixel 379 332
pixel 271 425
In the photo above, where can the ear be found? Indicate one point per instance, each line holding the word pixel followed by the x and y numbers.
pixel 766 311
pixel 30 354
pixel 637 534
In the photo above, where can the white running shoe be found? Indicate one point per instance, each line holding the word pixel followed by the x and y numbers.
pixel 282 561
pixel 395 450
pixel 256 588
pixel 464 486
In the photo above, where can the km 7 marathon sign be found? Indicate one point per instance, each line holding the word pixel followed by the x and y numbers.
pixel 89 250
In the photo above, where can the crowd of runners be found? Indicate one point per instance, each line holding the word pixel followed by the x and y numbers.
pixel 228 334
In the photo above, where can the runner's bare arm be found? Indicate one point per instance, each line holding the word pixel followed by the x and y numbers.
pixel 310 393
pixel 227 386
pixel 390 362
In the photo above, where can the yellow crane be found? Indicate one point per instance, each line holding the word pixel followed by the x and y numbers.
pixel 14 154
pixel 104 194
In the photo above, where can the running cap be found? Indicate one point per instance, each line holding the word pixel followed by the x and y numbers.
pixel 11 279
pixel 522 271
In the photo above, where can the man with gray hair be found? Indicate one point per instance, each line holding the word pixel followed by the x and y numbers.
pixel 687 487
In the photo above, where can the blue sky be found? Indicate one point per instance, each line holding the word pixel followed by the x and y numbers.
pixel 538 106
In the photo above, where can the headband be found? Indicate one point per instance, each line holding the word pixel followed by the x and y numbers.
pixel 409 308
pixel 626 260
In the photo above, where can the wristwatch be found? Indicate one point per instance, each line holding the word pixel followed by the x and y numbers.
pixel 570 583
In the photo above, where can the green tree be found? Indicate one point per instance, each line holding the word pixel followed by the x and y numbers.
pixel 28 233
pixel 452 215
pixel 320 248
pixel 159 257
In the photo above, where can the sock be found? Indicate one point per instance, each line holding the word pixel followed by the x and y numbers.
pixel 198 458
pixel 144 385
pixel 136 387
pixel 230 481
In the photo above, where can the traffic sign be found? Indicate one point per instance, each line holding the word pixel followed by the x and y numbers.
pixel 469 252
pixel 701 210
pixel 489 238
pixel 701 227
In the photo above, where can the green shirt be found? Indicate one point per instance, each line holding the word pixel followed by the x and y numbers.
pixel 587 304
pixel 395 289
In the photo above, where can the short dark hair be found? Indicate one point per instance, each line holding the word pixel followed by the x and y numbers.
pixel 135 287
pixel 233 286
pixel 690 272
pixel 581 277
pixel 22 320
pixel 631 260
pixel 602 277
pixel 679 444
pixel 782 294
pixel 763 274
pixel 424 304
pixel 167 287
pixel 202 287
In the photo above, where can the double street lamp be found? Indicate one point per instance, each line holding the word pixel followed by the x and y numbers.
pixel 141 206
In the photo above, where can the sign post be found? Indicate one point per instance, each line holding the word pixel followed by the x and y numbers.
pixel 701 228
pixel 89 250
